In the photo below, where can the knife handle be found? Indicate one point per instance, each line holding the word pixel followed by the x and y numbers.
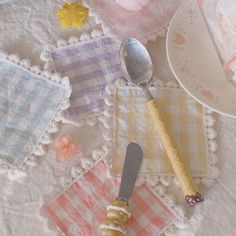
pixel 118 214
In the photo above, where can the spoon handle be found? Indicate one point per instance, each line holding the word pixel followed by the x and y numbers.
pixel 186 180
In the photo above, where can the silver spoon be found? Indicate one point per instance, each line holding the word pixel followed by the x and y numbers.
pixel 137 68
pixel 136 64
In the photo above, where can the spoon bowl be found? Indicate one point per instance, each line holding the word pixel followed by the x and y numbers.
pixel 135 61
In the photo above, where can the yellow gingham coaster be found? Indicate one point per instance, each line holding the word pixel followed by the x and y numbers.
pixel 130 121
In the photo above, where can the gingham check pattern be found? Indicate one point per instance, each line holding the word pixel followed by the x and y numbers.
pixel 185 121
pixel 80 209
pixel 90 65
pixel 28 103
pixel 155 15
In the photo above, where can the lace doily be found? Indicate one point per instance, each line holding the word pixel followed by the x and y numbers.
pixel 208 145
pixel 129 121
pixel 33 101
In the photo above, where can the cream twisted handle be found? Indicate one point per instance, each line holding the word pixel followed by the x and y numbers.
pixel 118 214
pixel 184 177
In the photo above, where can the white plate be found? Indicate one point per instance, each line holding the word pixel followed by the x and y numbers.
pixel 194 61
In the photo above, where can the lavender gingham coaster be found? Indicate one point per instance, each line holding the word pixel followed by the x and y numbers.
pixel 90 65
pixel 29 107
pixel 81 207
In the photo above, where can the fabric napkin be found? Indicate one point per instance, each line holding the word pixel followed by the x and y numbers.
pixel 132 121
pixel 146 22
pixel 90 65
pixel 81 207
pixel 28 105
pixel 220 16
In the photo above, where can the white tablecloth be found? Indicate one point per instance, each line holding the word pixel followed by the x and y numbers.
pixel 25 27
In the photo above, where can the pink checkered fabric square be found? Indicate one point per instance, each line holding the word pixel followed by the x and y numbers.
pixel 81 207
pixel 148 21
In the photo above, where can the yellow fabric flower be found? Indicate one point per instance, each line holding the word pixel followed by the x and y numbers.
pixel 72 15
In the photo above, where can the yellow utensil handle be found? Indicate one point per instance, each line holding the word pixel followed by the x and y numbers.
pixel 118 214
pixel 178 166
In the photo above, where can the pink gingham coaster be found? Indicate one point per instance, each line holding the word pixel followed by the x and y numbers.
pixel 81 207
pixel 151 20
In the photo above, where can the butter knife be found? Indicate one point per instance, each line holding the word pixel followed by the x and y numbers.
pixel 118 213
pixel 133 160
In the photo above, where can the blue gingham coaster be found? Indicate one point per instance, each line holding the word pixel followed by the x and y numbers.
pixel 30 104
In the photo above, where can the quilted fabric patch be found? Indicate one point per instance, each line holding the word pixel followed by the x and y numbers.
pixel 28 106
pixel 91 65
pixel 133 122
pixel 81 207
pixel 150 21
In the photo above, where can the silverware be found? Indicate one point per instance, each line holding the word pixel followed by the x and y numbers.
pixel 136 64
pixel 118 213
pixel 133 160
pixel 137 68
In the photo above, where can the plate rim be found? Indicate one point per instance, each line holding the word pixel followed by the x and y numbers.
pixel 173 71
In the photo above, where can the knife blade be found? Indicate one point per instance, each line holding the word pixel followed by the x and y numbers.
pixel 132 163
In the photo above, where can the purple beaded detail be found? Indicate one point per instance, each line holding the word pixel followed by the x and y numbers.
pixel 193 200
